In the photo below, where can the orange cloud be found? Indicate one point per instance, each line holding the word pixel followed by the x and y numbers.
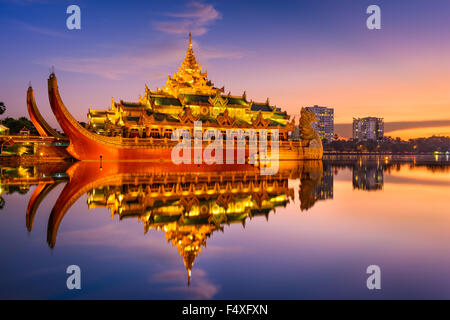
pixel 420 132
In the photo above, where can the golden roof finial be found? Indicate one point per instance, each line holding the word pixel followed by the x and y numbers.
pixel 190 41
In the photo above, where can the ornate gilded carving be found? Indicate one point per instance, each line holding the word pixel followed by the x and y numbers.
pixel 187 117
pixel 260 122
pixel 226 120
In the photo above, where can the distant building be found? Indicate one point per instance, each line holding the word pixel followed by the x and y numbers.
pixel 325 123
pixel 369 128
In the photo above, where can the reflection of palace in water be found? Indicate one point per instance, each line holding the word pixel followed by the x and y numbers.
pixel 190 208
pixel 187 203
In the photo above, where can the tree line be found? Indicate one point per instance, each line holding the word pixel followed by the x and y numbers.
pixel 389 144
pixel 15 125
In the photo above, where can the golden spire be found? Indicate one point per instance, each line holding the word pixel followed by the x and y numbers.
pixel 189 79
pixel 190 62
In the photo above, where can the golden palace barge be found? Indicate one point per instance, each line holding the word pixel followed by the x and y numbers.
pixel 143 130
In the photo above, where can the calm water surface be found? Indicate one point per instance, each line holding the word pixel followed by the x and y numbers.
pixel 139 231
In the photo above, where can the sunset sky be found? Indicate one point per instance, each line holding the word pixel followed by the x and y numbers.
pixel 297 53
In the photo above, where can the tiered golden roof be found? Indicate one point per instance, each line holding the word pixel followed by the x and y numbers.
pixel 189 79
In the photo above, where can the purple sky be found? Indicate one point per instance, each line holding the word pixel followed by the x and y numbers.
pixel 297 53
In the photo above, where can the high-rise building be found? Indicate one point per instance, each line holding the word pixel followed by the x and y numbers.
pixel 369 128
pixel 325 123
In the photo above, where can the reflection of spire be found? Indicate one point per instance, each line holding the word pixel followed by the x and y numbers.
pixel 188 269
pixel 188 239
pixel 189 276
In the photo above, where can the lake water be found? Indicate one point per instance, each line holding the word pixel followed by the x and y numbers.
pixel 155 231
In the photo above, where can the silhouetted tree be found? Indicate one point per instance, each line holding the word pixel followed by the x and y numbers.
pixel 15 125
pixel 395 145
pixel 2 108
